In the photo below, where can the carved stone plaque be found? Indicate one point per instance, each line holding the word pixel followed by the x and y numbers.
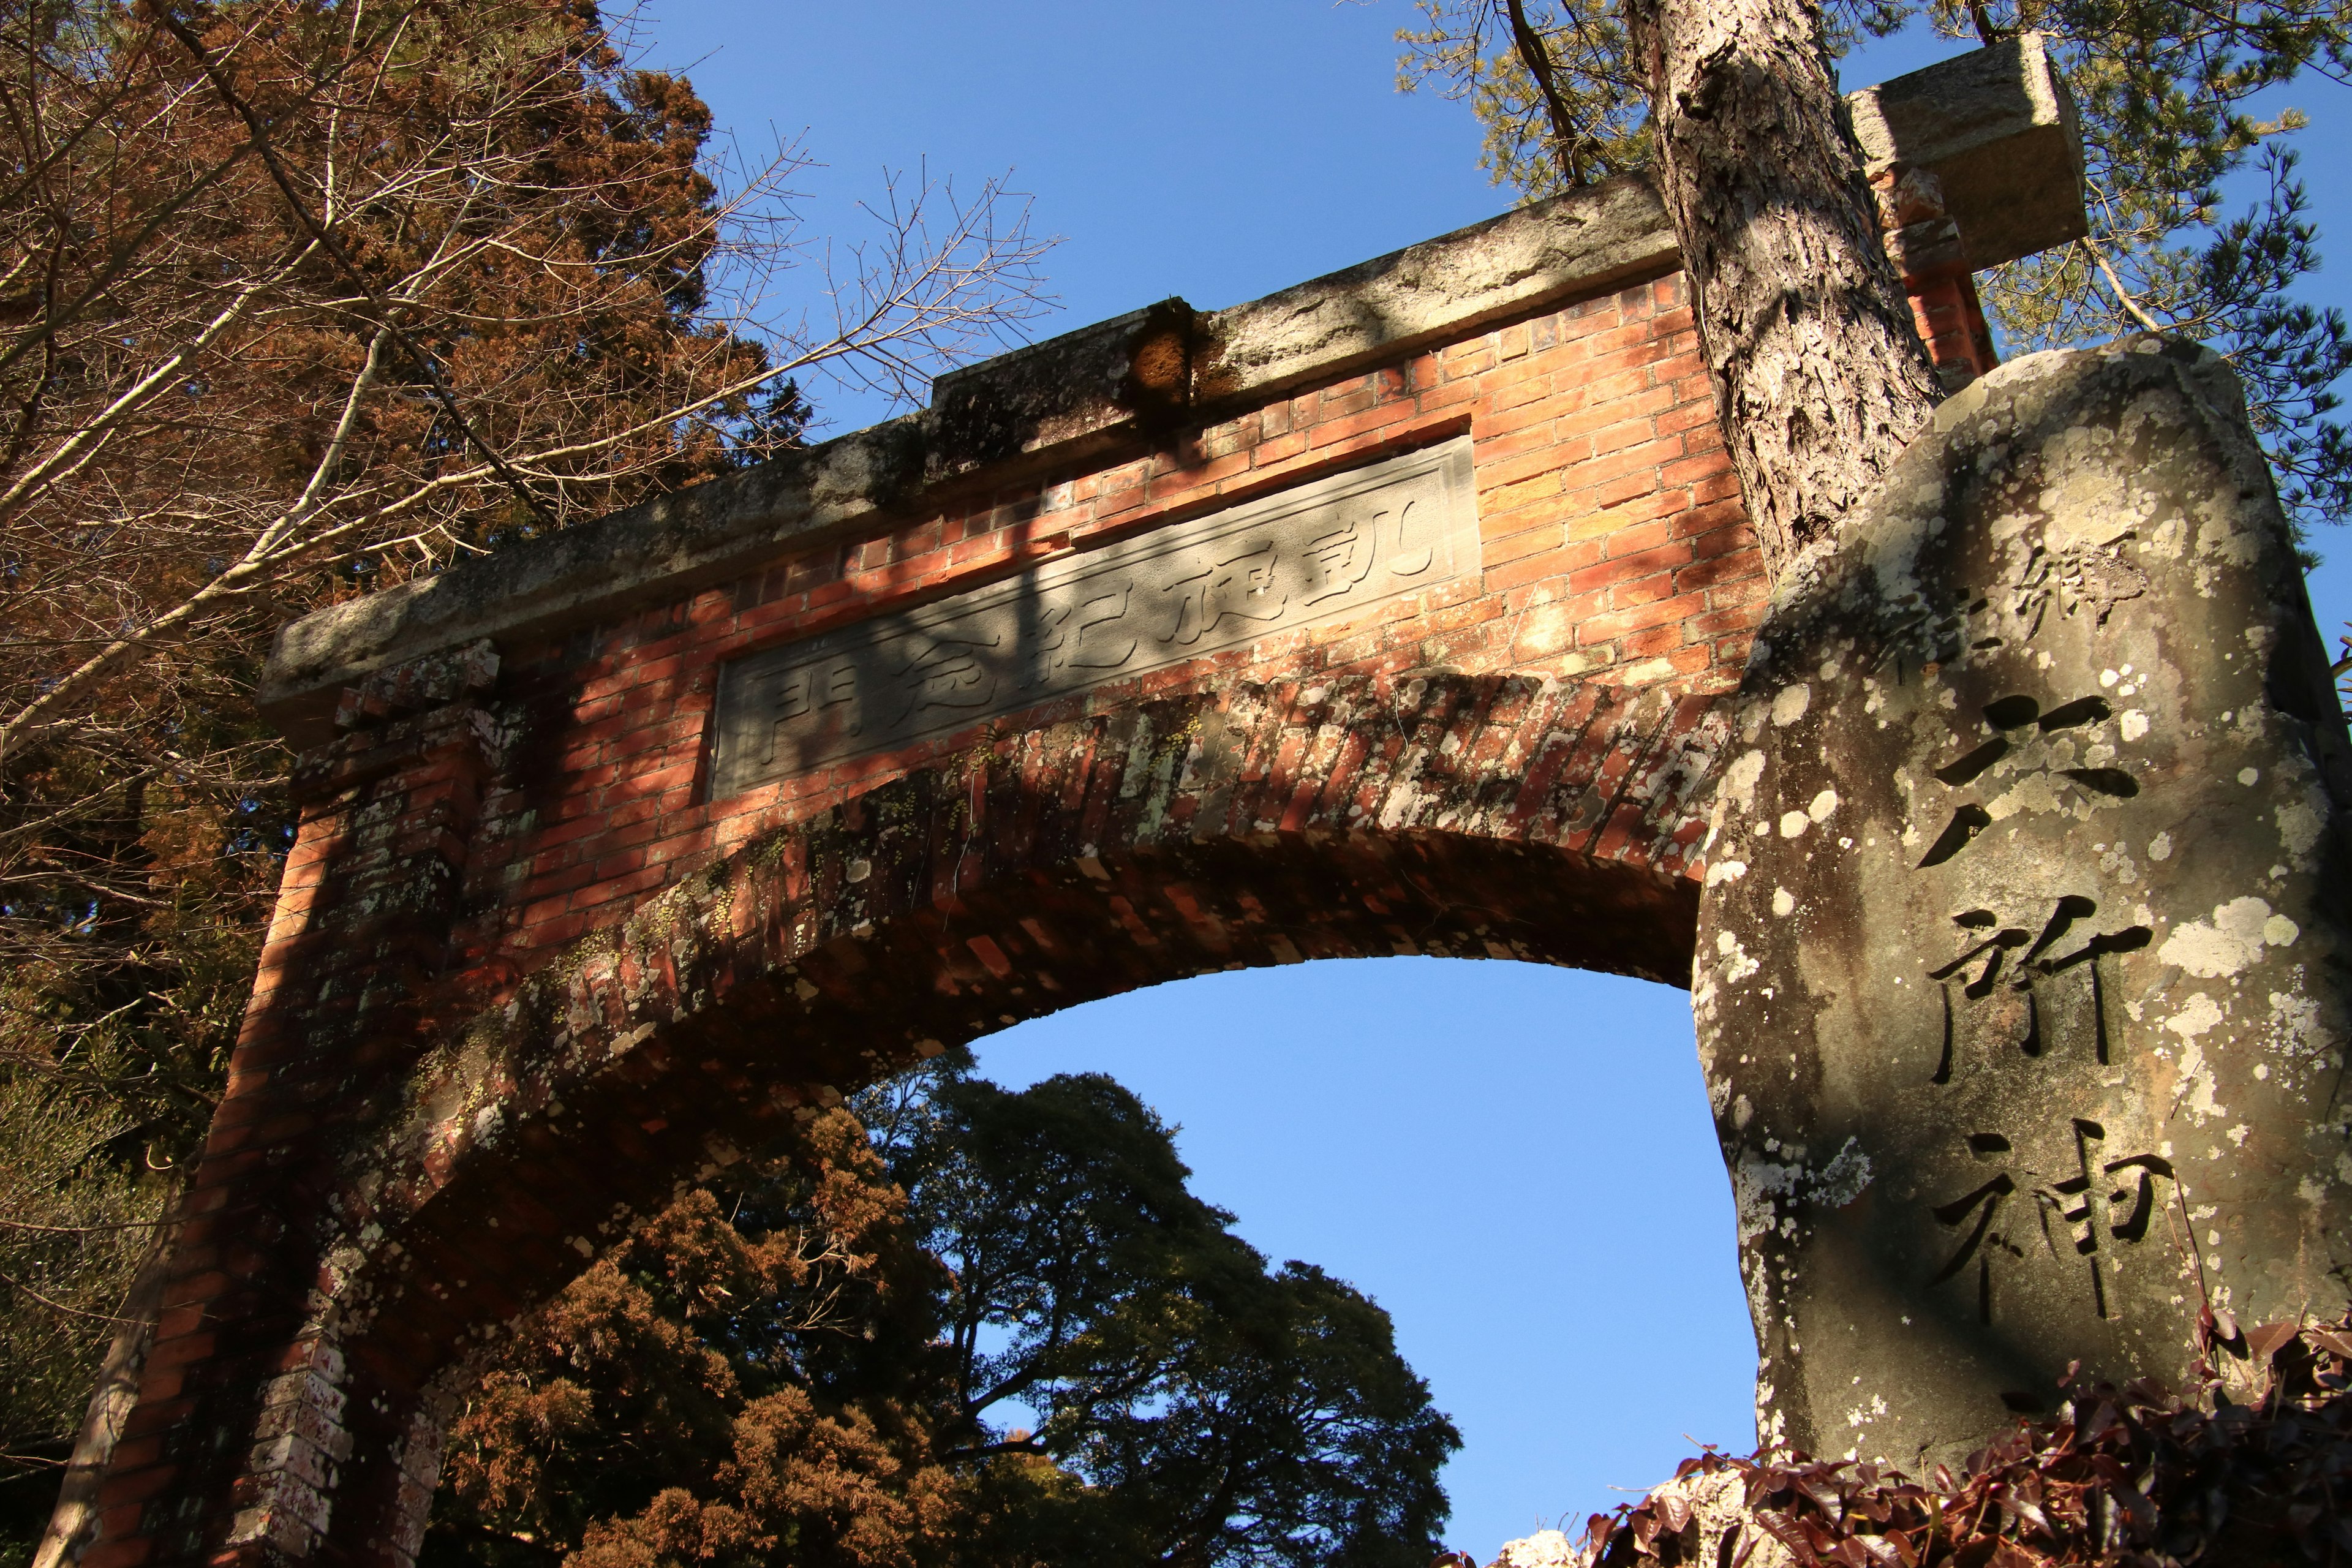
pixel 1319 552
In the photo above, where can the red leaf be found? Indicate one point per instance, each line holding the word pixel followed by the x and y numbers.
pixel 1825 1496
pixel 1882 1550
pixel 2135 1503
pixel 1783 1529
pixel 2265 1340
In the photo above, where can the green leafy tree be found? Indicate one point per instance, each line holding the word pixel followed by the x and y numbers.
pixel 997 1330
pixel 1218 1411
pixel 2170 95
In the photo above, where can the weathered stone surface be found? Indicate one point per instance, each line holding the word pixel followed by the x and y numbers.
pixel 1593 239
pixel 2020 985
pixel 1299 559
pixel 1997 129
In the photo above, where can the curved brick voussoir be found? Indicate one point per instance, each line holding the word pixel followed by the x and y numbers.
pixel 1442 814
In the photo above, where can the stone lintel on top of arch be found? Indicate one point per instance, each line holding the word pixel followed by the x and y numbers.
pixel 1076 400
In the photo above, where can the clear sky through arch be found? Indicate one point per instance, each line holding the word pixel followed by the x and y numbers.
pixel 1220 150
pixel 1515 1161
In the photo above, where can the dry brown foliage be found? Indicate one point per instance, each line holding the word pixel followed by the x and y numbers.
pixel 626 1370
pixel 300 299
pixel 2140 1476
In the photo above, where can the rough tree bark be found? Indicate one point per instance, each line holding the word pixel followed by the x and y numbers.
pixel 1819 372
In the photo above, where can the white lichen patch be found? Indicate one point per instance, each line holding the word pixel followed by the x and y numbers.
pixel 1740 778
pixel 1756 1185
pixel 2032 792
pixel 2300 826
pixel 1732 964
pixel 1790 703
pixel 2197 1015
pixel 2194 1089
pixel 2294 1026
pixel 2230 942
pixel 1843 1179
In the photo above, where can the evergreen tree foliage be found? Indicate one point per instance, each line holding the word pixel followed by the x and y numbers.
pixel 71 1234
pixel 2178 101
pixel 996 1328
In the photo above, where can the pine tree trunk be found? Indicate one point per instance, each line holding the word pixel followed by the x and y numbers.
pixel 1818 371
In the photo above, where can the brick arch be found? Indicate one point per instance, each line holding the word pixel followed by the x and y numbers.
pixel 524 787
pixel 535 870
pixel 1237 826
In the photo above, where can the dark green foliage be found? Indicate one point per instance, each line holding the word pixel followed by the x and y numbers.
pixel 999 1329
pixel 1218 1411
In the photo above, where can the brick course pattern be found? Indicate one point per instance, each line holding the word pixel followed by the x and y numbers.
pixel 525 973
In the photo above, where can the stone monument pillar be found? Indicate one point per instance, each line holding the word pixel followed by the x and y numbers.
pixel 2022 982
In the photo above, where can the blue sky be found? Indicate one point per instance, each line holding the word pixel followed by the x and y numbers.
pixel 1516 1161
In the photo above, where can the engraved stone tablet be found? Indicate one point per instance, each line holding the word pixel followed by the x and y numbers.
pixel 2021 991
pixel 1319 552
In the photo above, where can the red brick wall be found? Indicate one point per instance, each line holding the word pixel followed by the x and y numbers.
pixel 486 818
pixel 1613 550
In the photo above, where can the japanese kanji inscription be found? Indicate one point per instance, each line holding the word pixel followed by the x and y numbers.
pixel 1310 554
pixel 2023 1031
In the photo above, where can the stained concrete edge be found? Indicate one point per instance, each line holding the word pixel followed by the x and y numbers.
pixel 1999 130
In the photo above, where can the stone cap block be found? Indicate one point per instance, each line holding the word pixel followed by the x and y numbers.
pixel 1997 127
pixel 1443 290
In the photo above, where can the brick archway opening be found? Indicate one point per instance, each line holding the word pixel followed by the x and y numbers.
pixel 1056 867
pixel 1518 1163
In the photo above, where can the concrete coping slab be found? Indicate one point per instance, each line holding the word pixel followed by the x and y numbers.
pixel 1067 401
